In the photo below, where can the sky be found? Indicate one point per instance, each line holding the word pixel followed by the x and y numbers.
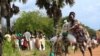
pixel 87 11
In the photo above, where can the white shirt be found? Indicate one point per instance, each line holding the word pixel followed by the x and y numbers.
pixel 65 27
pixel 27 35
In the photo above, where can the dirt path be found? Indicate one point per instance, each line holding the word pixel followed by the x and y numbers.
pixel 26 53
pixel 96 52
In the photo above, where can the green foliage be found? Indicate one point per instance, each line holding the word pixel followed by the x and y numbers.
pixel 92 32
pixel 8 50
pixel 53 7
pixel 34 21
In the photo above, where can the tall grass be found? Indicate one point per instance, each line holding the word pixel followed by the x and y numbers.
pixel 46 52
pixel 8 50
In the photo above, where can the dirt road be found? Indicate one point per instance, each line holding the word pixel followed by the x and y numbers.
pixel 96 52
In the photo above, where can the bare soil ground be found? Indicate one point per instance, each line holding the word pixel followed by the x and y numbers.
pixel 96 52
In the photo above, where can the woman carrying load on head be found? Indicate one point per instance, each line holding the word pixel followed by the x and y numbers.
pixel 78 31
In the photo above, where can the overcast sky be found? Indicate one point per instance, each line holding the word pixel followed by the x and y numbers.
pixel 87 11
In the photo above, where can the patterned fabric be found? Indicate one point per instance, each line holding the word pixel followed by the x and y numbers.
pixel 58 46
pixel 78 32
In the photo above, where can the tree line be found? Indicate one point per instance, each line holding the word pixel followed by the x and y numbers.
pixel 36 21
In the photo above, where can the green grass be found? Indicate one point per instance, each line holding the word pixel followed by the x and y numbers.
pixel 43 53
pixel 8 50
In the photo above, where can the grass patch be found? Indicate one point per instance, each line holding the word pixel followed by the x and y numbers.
pixel 46 52
pixel 8 50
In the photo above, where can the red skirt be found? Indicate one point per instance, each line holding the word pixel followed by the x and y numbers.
pixel 25 43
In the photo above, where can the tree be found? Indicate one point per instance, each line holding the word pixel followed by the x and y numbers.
pixel 91 31
pixel 7 11
pixel 36 22
pixel 53 8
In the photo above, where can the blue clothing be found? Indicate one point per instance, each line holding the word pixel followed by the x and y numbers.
pixel 52 54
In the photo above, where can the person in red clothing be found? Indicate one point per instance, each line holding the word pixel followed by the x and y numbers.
pixel 24 43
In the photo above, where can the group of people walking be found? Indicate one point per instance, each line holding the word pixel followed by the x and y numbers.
pixel 72 33
pixel 27 40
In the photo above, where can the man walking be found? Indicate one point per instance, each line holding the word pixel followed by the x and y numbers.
pixel 27 35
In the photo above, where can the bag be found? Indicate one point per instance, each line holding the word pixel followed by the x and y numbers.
pixel 71 38
pixel 65 34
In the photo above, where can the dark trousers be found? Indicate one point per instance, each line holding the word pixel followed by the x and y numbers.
pixel 0 49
